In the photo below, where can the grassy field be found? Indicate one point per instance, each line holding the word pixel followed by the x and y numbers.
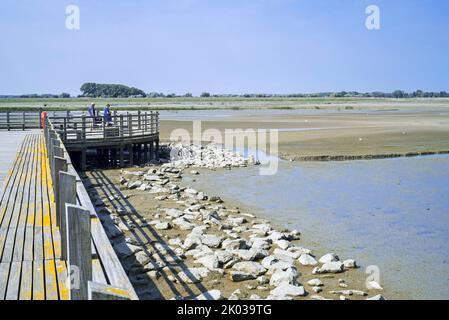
pixel 232 103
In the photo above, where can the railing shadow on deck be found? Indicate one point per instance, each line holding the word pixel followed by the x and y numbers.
pixel 120 201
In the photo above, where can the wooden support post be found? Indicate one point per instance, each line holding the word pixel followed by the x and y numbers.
pixel 100 291
pixel 67 194
pixel 79 251
pixel 83 159
pixel 23 121
pixel 60 165
pixel 122 157
pixel 157 149
pixel 151 150
pixel 131 155
pixel 145 152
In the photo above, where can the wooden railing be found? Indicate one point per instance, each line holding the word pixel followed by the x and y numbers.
pixel 88 129
pixel 82 234
pixel 20 120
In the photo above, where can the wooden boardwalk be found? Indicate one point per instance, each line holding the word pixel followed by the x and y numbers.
pixel 30 244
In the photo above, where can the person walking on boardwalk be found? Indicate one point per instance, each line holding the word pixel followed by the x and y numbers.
pixel 107 115
pixel 93 114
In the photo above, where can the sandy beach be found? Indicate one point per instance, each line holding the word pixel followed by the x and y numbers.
pixel 334 133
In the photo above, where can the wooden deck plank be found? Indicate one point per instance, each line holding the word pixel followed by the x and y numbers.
pixel 48 244
pixel 51 281
pixel 32 196
pixel 26 283
pixel 8 249
pixel 4 276
pixel 30 240
pixel 56 242
pixel 22 189
pixel 13 290
pixel 10 180
pixel 9 201
pixel 28 199
pixel 38 244
pixel 97 272
pixel 38 280
pixel 38 220
pixel 28 250
pixel 61 271
pixel 19 245
pixel 10 176
pixel 15 210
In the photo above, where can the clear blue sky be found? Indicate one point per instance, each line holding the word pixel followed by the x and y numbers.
pixel 224 46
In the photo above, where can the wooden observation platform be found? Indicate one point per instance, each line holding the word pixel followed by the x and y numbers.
pixel 127 139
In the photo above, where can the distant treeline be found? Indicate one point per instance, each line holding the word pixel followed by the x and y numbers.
pixel 37 96
pixel 98 90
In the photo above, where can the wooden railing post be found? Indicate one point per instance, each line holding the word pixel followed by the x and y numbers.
pixel 64 133
pixel 60 165
pixel 103 124
pixel 39 121
pixel 139 120
pixel 130 125
pixel 79 251
pixel 100 291
pixel 7 120
pixel 83 127
pixel 67 195
pixel 54 143
pixel 146 122
pixel 121 126
pixel 23 121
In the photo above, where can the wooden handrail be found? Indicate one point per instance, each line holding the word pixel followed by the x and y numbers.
pixel 73 203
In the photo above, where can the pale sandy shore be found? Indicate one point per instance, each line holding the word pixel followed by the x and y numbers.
pixel 362 132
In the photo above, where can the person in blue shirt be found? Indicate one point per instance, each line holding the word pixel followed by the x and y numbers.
pixel 107 115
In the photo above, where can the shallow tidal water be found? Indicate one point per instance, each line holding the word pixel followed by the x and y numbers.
pixel 392 213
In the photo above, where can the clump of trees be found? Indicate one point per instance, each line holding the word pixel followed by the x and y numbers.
pixel 100 90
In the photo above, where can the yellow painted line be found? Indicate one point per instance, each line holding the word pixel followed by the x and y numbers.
pixel 51 285
pixel 62 280
pixel 117 291
pixel 48 244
